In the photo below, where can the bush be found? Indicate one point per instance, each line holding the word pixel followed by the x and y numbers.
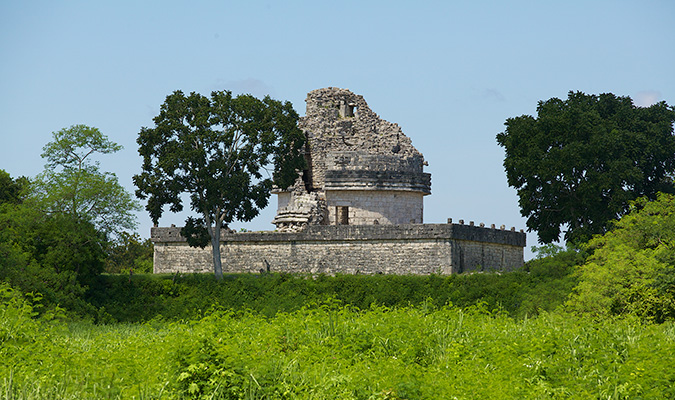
pixel 53 255
pixel 631 268
pixel 143 297
pixel 129 253
pixel 333 351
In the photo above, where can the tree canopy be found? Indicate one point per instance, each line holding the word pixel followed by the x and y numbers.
pixel 72 182
pixel 579 163
pixel 219 151
pixel 54 254
pixel 55 229
pixel 11 189
pixel 129 253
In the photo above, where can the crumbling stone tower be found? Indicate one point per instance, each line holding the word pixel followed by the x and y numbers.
pixel 361 169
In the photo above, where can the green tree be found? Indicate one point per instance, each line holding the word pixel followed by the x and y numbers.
pixel 54 254
pixel 632 267
pixel 54 230
pixel 217 150
pixel 11 190
pixel 579 163
pixel 129 251
pixel 72 183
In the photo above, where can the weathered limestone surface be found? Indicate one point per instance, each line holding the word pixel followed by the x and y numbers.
pixel 339 120
pixel 372 207
pixel 359 171
pixel 389 249
pixel 299 209
pixel 350 149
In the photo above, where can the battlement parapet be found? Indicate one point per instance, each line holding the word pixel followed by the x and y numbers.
pixel 348 249
pixel 318 233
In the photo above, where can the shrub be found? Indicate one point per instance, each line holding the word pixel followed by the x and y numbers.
pixel 631 268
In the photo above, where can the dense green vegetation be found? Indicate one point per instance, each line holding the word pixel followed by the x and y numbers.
pixel 590 322
pixel 139 298
pixel 281 336
pixel 333 351
pixel 60 230
pixel 631 269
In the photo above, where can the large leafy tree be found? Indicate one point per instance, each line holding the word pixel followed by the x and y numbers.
pixel 72 182
pixel 218 151
pixel 11 189
pixel 579 163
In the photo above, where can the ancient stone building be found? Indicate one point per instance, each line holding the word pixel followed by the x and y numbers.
pixel 357 208
pixel 361 169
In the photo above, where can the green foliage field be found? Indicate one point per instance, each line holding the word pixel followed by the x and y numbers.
pixel 139 298
pixel 329 350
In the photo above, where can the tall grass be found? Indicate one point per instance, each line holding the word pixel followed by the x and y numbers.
pixel 176 297
pixel 329 350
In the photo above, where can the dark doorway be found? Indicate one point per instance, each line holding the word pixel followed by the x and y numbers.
pixel 342 215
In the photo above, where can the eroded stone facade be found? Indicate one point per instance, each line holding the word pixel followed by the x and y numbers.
pixel 361 169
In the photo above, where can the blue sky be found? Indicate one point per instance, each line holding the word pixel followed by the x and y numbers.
pixel 448 72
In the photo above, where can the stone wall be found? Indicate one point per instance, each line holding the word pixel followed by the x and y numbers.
pixel 369 207
pixel 389 249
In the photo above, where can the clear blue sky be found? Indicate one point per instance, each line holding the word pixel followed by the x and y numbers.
pixel 448 72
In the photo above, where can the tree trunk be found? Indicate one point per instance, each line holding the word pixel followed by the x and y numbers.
pixel 215 246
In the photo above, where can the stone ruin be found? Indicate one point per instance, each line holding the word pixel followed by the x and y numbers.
pixel 357 208
pixel 361 169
